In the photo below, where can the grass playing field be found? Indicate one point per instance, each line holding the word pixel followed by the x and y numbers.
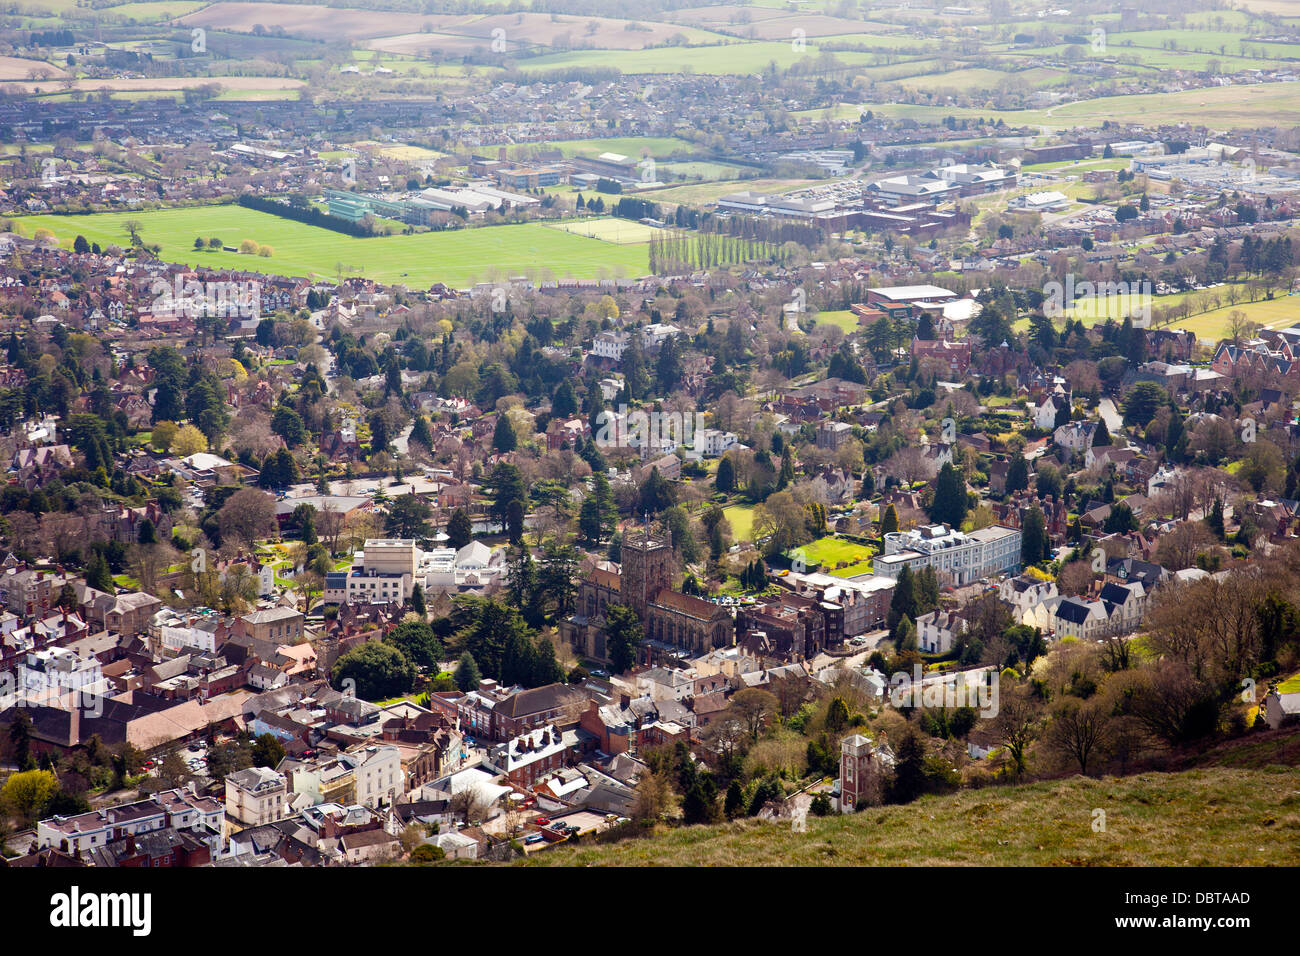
pixel 611 229
pixel 458 258
pixel 843 319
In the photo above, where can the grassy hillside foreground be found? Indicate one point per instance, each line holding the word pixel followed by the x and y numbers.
pixel 1216 816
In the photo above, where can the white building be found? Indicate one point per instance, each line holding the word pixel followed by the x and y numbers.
pixel 379 777
pixel 1282 702
pixel 713 442
pixel 256 796
pixel 937 632
pixel 957 557
pixel 656 333
pixel 610 345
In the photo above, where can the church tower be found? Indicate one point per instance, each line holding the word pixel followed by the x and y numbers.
pixel 647 567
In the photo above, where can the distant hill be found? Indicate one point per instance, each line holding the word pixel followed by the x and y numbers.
pixel 1215 816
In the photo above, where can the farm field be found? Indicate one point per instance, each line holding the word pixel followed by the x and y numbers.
pixel 713 60
pixel 1225 107
pixel 518 31
pixel 156 10
pixel 20 68
pixel 227 83
pixel 458 258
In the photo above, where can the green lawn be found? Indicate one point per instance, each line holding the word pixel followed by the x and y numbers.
pixel 844 319
pixel 741 518
pixel 830 552
pixel 457 258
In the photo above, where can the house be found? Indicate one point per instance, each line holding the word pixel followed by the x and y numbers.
pixel 937 632
pixel 282 625
pixel 255 796
pixel 1076 437
pixel 1044 415
pixel 1024 593
pixel 1282 704
pixel 1080 618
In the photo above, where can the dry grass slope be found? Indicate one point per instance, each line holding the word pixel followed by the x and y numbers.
pixel 1210 817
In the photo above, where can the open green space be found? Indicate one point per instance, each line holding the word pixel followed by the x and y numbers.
pixel 741 519
pixel 459 257
pixel 831 552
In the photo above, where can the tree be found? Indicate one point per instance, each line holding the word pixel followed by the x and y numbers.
pixel 1141 403
pixel 417 642
pixel 598 516
pixel 1016 726
pixel 408 517
pixel 889 521
pixel 656 493
pixel 98 574
pixel 1120 520
pixel 188 441
pixel 1078 731
pixel 377 670
pixel 1034 543
pixel 506 484
pixel 247 516
pixel 1101 437
pixel 504 439
pixel 909 768
pixel 733 805
pixel 950 502
pixel 754 708
pixel 467 675
pixel 1017 474
pixel 725 480
pixel 623 636
pixel 267 751
pixel 26 793
pixel 460 530
pixel 903 603
pixel 288 424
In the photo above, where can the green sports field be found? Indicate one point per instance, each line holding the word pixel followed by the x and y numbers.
pixel 458 258
pixel 623 232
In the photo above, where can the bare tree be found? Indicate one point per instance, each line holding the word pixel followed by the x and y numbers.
pixel 1079 731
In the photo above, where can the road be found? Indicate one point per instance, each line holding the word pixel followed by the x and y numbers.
pixel 1111 416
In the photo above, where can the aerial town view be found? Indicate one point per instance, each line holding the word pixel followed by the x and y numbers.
pixel 481 435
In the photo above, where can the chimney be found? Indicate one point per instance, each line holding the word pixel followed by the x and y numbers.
pixel 74 725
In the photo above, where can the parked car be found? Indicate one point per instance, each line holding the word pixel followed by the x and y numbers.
pixel 543 821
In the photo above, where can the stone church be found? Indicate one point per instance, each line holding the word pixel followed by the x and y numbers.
pixel 674 623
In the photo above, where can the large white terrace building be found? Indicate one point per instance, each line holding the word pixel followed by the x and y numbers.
pixel 959 558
